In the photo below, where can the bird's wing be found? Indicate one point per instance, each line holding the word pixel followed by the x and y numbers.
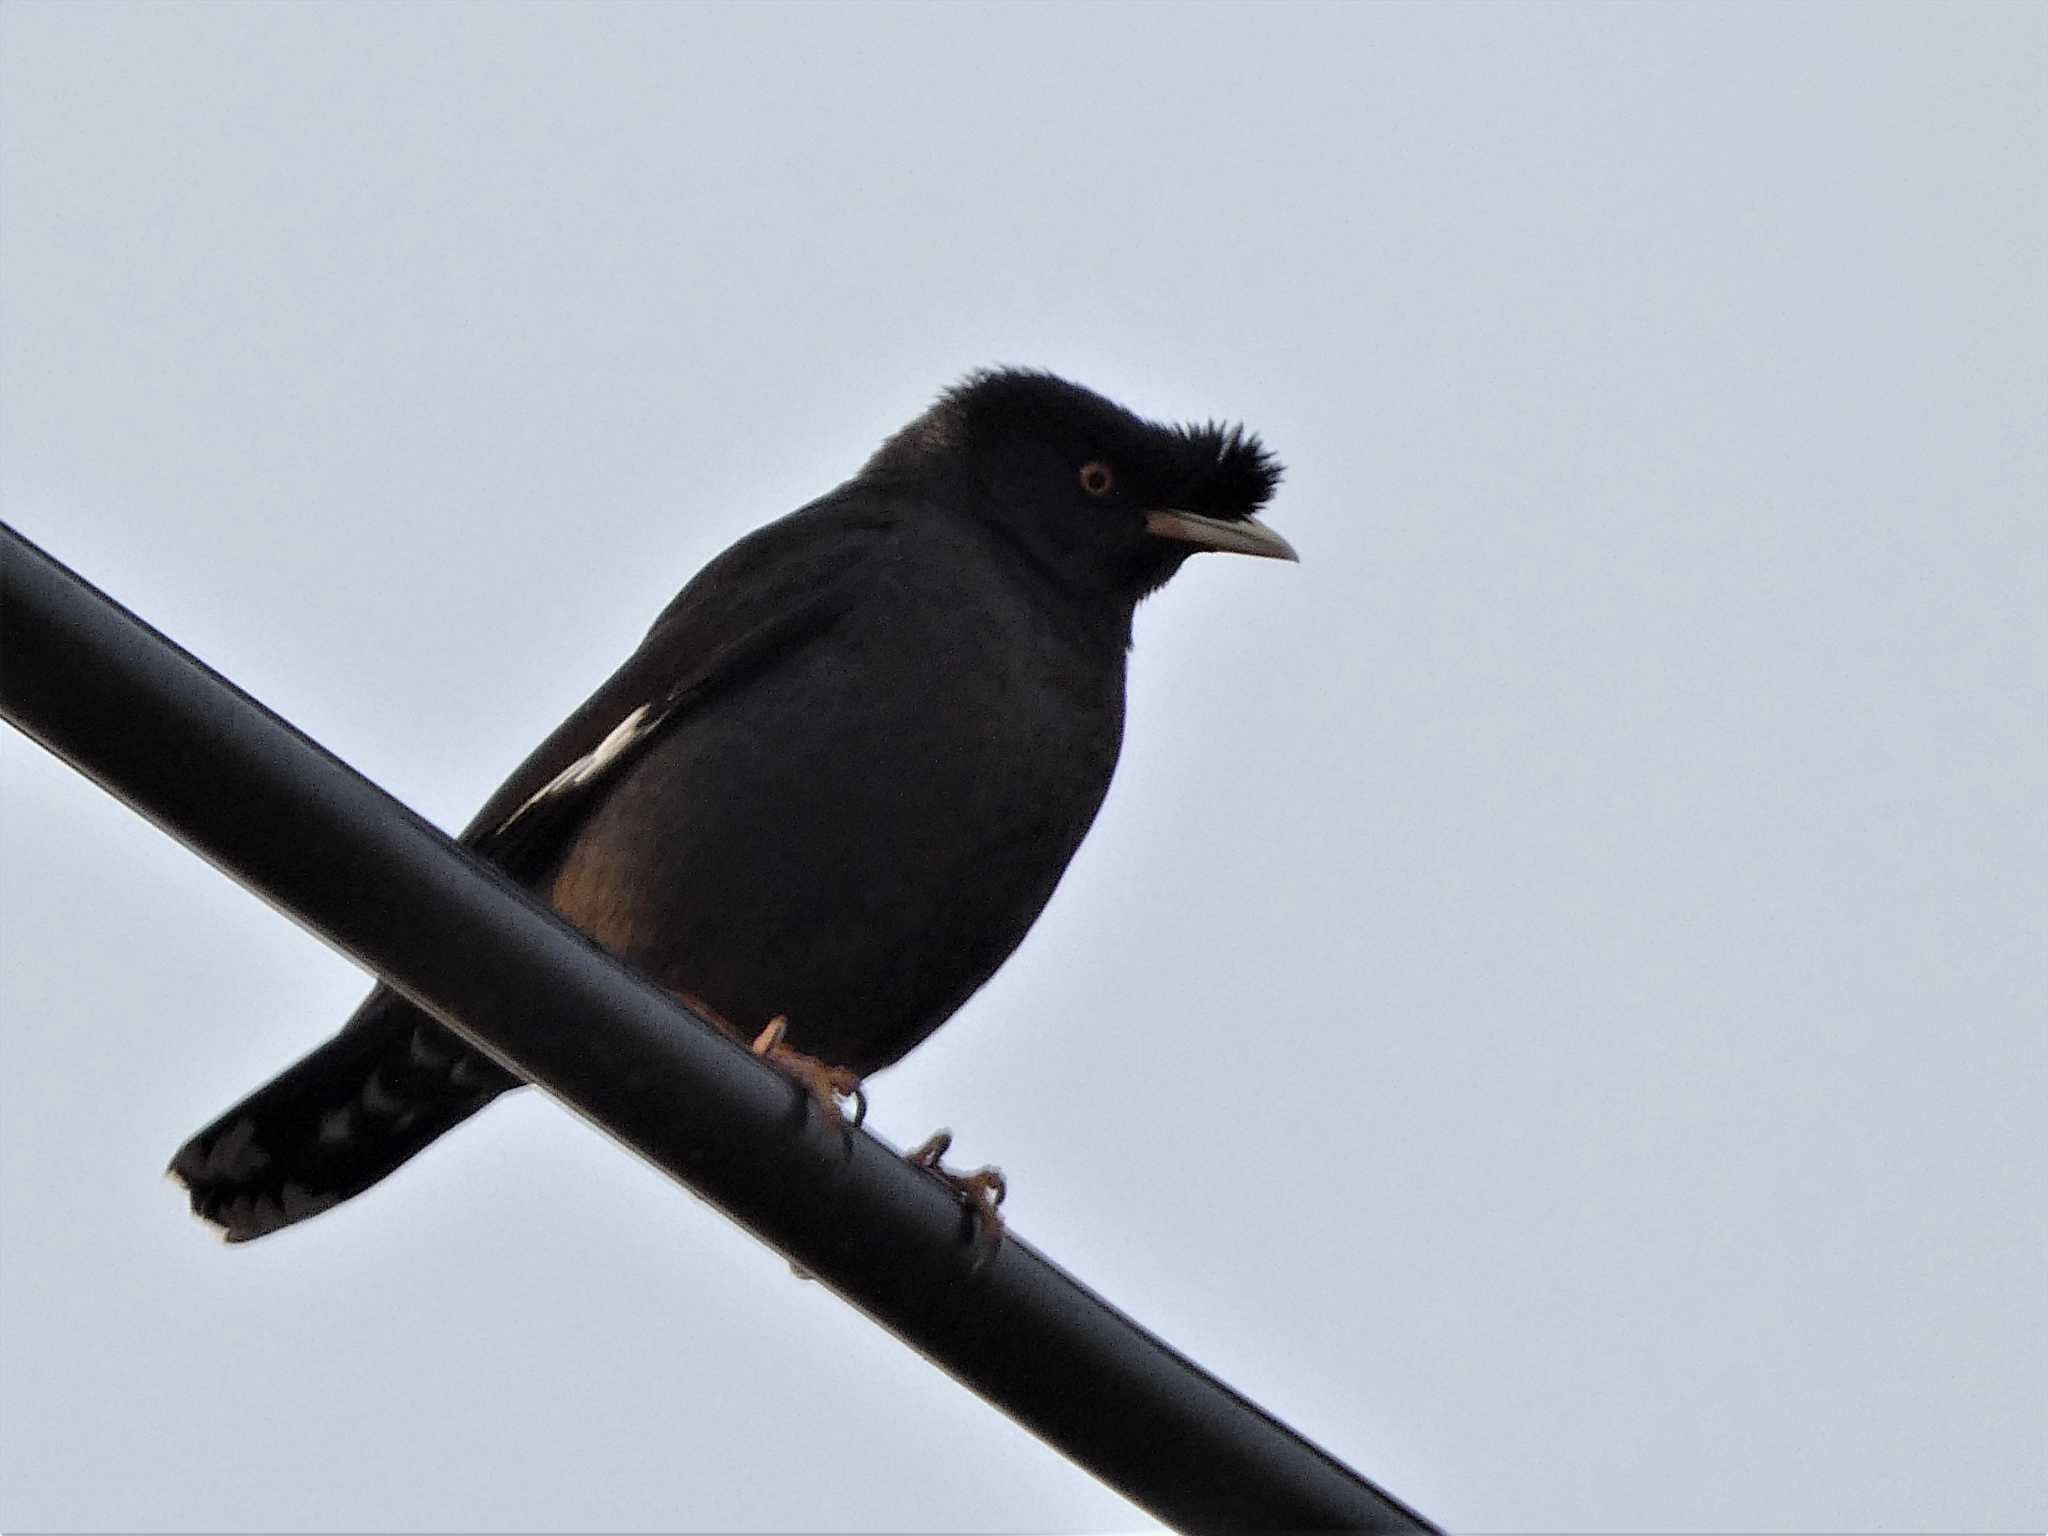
pixel 765 597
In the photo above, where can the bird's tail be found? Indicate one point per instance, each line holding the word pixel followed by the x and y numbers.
pixel 337 1122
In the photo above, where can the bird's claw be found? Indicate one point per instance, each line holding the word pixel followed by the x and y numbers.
pixel 825 1083
pixel 983 1189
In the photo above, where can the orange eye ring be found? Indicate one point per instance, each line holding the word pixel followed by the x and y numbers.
pixel 1097 478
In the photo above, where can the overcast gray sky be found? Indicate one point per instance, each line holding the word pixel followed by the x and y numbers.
pixel 1554 1005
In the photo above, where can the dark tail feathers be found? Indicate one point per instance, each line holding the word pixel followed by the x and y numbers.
pixel 330 1127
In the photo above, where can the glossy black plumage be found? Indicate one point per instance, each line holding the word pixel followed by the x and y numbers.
pixel 838 780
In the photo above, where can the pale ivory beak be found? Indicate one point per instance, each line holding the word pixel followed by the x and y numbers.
pixel 1233 535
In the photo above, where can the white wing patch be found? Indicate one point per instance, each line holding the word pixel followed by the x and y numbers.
pixel 593 762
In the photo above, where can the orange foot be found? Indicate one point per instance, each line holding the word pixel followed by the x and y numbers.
pixel 983 1189
pixel 827 1084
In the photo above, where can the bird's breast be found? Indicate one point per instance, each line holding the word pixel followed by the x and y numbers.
pixel 858 837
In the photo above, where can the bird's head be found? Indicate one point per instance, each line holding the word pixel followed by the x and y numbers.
pixel 1103 502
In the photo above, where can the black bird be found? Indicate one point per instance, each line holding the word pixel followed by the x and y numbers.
pixel 835 784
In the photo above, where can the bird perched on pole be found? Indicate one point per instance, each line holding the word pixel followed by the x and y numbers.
pixel 833 787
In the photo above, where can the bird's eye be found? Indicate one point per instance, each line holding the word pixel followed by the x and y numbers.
pixel 1097 478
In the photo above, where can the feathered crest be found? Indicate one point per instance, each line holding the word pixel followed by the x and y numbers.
pixel 1217 469
pixel 1232 473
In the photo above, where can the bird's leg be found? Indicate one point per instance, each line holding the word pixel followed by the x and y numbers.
pixel 983 1189
pixel 826 1083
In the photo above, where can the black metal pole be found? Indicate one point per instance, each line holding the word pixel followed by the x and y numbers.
pixel 152 725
